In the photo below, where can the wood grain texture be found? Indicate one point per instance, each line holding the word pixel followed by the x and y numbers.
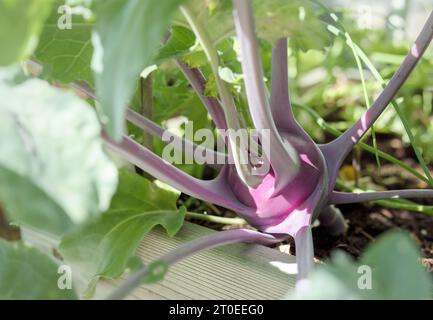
pixel 240 271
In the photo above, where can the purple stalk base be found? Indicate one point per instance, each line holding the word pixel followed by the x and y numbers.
pixel 299 188
pixel 304 253
pixel 184 251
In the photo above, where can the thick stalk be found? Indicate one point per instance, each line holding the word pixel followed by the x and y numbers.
pixel 184 145
pixel 341 32
pixel 336 151
pixel 184 251
pixel 304 253
pixel 281 154
pixel 215 191
pixel 236 147
pixel 400 204
pixel 281 106
pixel 349 197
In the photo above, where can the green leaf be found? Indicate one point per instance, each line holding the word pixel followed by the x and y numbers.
pixel 179 43
pixel 295 19
pixel 174 103
pixel 67 53
pixel 195 59
pixel 27 274
pixel 389 269
pixel 125 40
pixel 53 170
pixel 104 248
pixel 20 24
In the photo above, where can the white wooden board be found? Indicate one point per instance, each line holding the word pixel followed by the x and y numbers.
pixel 240 271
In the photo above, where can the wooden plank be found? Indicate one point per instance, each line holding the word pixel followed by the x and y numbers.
pixel 238 271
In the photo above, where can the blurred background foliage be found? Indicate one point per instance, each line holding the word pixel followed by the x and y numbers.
pixel 323 72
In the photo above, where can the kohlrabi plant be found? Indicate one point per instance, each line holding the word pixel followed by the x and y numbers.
pixel 299 187
pixel 274 176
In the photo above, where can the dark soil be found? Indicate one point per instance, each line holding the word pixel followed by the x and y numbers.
pixel 367 223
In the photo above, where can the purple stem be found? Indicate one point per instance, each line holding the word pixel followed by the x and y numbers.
pixel 281 154
pixel 214 191
pixel 179 143
pixel 280 101
pixel 155 130
pixel 196 246
pixel 198 83
pixel 348 197
pixel 336 151
pixel 304 253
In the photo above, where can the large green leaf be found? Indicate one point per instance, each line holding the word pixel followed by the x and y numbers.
pixel 27 274
pixel 295 19
pixel 53 170
pixel 180 42
pixel 20 24
pixel 67 53
pixel 104 247
pixel 126 37
pixel 389 269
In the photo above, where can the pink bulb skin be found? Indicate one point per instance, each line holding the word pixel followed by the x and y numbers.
pixel 288 209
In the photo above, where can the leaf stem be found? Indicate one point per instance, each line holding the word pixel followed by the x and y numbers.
pixel 351 44
pixel 356 197
pixel 335 132
pixel 240 156
pixel 197 81
pixel 281 155
pixel 405 122
pixel 155 130
pixel 280 103
pixel 400 204
pixel 184 145
pixel 216 219
pixel 215 191
pixel 337 150
pixel 196 246
pixel 304 253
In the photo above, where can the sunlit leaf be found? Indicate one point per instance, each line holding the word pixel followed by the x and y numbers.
pixel 104 247
pixel 66 53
